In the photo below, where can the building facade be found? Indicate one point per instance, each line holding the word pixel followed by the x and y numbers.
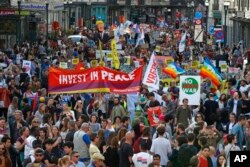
pixel 240 22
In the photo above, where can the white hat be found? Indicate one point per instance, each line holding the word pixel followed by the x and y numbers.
pixel 97 156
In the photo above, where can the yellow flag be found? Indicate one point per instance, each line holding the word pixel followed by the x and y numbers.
pixel 101 63
pixel 116 61
pixel 224 86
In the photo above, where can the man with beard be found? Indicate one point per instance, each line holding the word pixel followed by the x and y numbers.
pixel 117 110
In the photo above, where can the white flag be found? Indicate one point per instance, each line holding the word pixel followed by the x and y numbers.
pixel 140 39
pixel 151 78
pixel 182 43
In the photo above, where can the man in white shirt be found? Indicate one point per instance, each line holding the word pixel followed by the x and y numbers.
pixel 143 158
pixel 161 146
pixel 28 148
pixel 243 86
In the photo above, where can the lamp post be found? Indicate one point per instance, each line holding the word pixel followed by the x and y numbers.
pixel 169 15
pixel 207 13
pixel 47 25
pixel 190 6
pixel 19 22
pixel 226 5
pixel 90 13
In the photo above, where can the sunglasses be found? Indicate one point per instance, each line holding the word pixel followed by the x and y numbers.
pixel 38 155
pixel 77 156
pixel 36 122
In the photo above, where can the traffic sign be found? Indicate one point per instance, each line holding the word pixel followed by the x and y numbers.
pixel 198 15
pixel 219 34
pixel 211 29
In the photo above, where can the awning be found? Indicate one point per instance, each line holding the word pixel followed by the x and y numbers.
pixel 151 15
pixel 238 19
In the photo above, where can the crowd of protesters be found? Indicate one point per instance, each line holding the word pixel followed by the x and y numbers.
pixel 96 130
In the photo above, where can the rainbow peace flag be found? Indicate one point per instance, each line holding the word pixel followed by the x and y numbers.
pixel 208 70
pixel 173 70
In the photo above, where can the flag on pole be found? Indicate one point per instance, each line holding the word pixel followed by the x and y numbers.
pixel 151 78
pixel 101 63
pixel 182 43
pixel 173 70
pixel 208 70
pixel 116 61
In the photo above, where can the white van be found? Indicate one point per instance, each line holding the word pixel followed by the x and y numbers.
pixel 77 38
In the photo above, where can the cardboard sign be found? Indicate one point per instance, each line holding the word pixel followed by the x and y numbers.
pixel 195 64
pixel 110 56
pixel 223 68
pixel 106 52
pixel 233 70
pixel 222 62
pixel 63 65
pixel 190 89
pixel 128 60
pixel 75 61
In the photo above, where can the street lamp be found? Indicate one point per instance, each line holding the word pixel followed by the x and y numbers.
pixel 207 13
pixel 190 6
pixel 169 15
pixel 47 25
pixel 90 13
pixel 226 5
pixel 19 25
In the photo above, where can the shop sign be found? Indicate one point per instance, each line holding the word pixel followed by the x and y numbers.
pixel 33 6
pixel 7 12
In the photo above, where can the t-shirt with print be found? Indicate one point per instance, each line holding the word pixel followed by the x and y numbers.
pixel 142 159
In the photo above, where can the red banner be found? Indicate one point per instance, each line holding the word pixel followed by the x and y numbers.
pixel 99 79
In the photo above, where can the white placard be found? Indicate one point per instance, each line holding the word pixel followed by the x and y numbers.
pixel 190 89
pixel 106 52
pixel 27 66
pixel 198 35
pixel 63 65
pixel 137 64
pixel 119 46
pixel 222 62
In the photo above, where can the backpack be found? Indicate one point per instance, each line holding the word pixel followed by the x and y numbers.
pixel 184 155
